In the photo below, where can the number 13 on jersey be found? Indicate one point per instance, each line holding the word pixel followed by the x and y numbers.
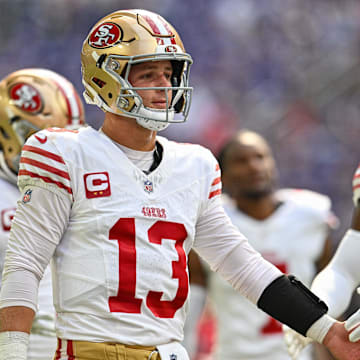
pixel 125 301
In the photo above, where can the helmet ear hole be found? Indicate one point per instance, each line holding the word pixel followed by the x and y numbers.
pixel 110 95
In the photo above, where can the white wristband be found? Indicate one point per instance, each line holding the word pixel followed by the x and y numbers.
pixel 13 345
pixel 320 328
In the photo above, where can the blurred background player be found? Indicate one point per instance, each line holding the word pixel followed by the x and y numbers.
pixel 337 281
pixel 289 227
pixel 30 100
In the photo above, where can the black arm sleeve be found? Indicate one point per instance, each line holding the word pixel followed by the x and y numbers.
pixel 292 303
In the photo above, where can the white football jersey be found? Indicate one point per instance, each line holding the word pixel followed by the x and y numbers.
pixel 292 238
pixel 120 268
pixel 42 343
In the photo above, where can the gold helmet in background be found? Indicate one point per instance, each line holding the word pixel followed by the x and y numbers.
pixel 121 40
pixel 31 100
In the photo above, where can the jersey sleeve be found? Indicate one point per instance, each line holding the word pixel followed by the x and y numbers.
pixel 43 165
pixel 229 253
pixel 212 182
pixel 356 186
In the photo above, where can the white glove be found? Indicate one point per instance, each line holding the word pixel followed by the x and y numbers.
pixel 352 324
pixel 294 341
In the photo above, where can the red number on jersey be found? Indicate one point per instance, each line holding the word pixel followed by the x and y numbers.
pixel 125 301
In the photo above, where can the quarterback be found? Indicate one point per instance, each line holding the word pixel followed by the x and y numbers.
pixel 31 100
pixel 118 210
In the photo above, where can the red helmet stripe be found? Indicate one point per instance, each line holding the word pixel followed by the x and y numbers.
pixel 160 27
pixel 152 24
pixel 166 26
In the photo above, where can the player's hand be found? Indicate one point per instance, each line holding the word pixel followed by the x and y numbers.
pixel 294 341
pixel 337 341
pixel 352 325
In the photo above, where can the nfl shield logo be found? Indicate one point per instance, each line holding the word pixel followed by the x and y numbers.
pixel 173 357
pixel 148 186
pixel 27 196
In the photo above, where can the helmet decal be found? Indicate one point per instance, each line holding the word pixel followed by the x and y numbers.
pixel 105 35
pixel 171 49
pixel 26 97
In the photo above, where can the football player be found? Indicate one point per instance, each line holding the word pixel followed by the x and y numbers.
pixel 31 100
pixel 337 281
pixel 119 209
pixel 289 227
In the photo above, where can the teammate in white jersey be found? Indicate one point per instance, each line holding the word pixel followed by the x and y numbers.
pixel 30 100
pixel 289 227
pixel 119 209
pixel 337 281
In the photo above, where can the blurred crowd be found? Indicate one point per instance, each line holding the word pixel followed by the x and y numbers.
pixel 288 69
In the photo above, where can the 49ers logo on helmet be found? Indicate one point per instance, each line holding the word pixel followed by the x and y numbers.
pixel 26 97
pixel 105 35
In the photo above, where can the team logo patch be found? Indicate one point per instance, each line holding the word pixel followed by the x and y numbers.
pixel 105 35
pixel 148 186
pixel 26 97
pixel 97 185
pixel 173 357
pixel 27 196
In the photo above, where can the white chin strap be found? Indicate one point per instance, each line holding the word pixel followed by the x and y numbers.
pixel 154 119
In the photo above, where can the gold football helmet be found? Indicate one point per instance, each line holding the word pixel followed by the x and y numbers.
pixel 31 100
pixel 121 40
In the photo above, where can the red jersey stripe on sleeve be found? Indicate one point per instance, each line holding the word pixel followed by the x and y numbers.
pixel 214 193
pixel 216 181
pixel 23 172
pixel 51 169
pixel 215 187
pixel 45 153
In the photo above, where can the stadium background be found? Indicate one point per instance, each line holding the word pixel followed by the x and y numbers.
pixel 286 68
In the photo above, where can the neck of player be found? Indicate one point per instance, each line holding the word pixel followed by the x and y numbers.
pixel 260 208
pixel 126 131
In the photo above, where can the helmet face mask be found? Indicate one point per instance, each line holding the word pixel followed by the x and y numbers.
pixel 107 63
pixel 31 100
